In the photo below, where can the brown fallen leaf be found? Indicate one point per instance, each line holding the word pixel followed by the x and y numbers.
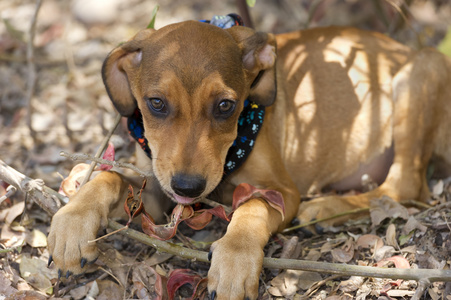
pixel 36 238
pixel 413 224
pixel 5 286
pixel 144 279
pixel 352 284
pixel 369 241
pixel 390 236
pixel 345 253
pixel 180 277
pixel 385 207
pixel 288 282
pixel 36 273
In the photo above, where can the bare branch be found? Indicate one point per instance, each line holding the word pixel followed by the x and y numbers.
pixel 101 149
pixel 45 197
pixel 106 162
pixel 279 263
pixel 31 81
pixel 10 190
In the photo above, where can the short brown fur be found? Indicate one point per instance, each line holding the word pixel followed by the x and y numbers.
pixel 349 102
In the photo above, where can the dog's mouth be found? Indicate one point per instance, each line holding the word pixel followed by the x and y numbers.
pixel 184 200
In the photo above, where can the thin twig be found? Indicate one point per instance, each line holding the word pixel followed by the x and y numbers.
pixel 107 235
pixel 11 249
pixel 10 190
pixel 350 212
pixel 101 149
pixel 106 162
pixel 31 81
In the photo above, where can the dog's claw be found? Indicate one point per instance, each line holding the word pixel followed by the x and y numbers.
pixel 59 274
pixel 68 274
pixel 50 261
pixel 210 255
pixel 83 262
pixel 213 295
pixel 319 229
pixel 307 233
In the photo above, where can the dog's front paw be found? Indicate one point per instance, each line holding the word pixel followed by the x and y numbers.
pixel 71 229
pixel 236 263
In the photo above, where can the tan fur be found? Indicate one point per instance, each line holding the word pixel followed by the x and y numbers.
pixel 348 102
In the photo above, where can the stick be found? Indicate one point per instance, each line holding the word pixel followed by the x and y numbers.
pixel 101 149
pixel 47 198
pixel 280 263
pixel 350 212
pixel 106 162
pixel 31 80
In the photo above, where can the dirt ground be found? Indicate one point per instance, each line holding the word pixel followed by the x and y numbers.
pixel 69 110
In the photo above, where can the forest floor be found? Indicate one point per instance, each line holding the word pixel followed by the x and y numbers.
pixel 69 110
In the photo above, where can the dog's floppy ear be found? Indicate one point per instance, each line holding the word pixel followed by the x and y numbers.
pixel 259 60
pixel 117 69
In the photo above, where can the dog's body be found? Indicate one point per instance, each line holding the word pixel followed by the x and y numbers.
pixel 348 103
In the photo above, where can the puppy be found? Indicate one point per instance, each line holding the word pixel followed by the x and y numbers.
pixel 334 104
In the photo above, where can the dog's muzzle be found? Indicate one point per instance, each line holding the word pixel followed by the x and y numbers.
pixel 187 187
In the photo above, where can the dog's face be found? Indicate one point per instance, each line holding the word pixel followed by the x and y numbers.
pixel 189 81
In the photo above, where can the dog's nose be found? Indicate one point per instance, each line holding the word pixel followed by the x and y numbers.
pixel 188 185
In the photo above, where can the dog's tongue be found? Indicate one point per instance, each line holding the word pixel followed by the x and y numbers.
pixel 183 200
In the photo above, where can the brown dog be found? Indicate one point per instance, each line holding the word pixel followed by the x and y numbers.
pixel 348 103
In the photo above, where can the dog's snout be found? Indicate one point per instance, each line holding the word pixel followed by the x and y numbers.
pixel 188 185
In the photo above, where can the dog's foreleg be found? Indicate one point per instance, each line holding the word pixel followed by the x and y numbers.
pixel 79 221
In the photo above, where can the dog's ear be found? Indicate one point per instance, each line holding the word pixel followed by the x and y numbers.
pixel 118 68
pixel 259 60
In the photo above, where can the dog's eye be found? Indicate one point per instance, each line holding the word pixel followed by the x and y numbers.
pixel 157 105
pixel 225 108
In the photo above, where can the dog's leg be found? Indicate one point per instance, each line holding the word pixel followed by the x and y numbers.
pixel 79 221
pixel 238 256
pixel 421 98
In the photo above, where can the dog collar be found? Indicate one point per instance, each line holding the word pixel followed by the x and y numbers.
pixel 249 122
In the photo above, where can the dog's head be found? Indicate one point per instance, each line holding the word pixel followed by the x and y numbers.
pixel 190 81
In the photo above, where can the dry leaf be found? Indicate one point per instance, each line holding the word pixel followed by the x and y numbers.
pixel 345 253
pixel 14 211
pixel 109 290
pixel 390 236
pixel 80 292
pixel 383 252
pixel 384 208
pixel 11 238
pixel 369 241
pixel 180 277
pixel 69 186
pixel 313 255
pixel 413 224
pixel 287 283
pixel 144 278
pixel 36 273
pixel 5 286
pixel 36 239
pixel 289 247
pixel 438 188
pixel 352 284
pixel 107 155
